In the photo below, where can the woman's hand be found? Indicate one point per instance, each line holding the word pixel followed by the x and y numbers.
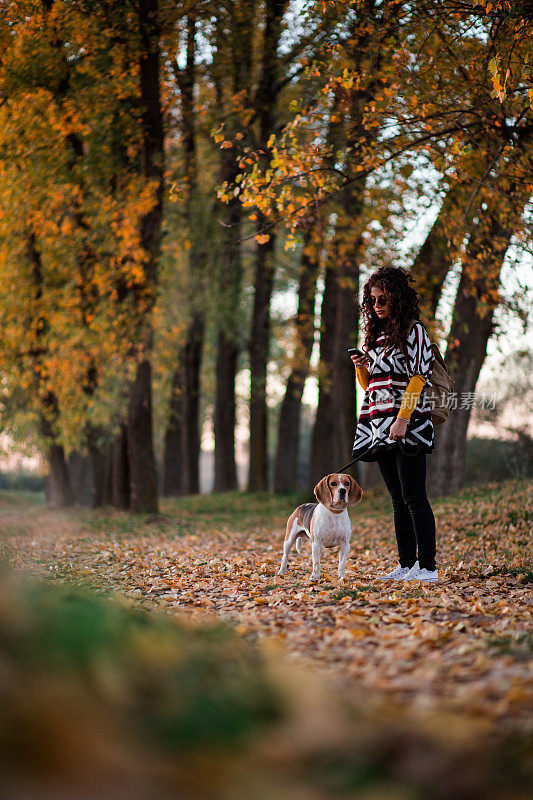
pixel 398 429
pixel 359 361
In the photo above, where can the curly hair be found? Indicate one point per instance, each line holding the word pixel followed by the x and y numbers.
pixel 396 283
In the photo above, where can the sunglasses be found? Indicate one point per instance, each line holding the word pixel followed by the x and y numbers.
pixel 379 301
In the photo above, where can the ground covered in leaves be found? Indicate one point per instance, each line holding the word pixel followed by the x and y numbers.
pixel 463 646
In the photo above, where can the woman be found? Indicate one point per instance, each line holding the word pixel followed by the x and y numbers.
pixel 394 426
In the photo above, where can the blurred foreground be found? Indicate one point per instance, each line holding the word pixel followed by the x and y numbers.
pixel 316 691
pixel 100 700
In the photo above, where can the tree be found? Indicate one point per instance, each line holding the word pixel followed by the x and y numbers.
pixel 472 325
pixel 143 478
pixel 266 107
pixel 68 151
pixel 286 464
pixel 182 435
pixel 232 73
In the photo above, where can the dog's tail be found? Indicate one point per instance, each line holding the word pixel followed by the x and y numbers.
pixel 299 542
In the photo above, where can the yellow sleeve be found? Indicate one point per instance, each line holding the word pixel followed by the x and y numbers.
pixel 411 395
pixel 363 376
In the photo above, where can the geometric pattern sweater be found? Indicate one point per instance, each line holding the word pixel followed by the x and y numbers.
pixel 389 375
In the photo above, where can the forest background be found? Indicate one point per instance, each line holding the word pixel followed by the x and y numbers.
pixel 191 196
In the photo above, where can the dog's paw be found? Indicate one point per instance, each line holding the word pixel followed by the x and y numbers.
pixel 282 572
pixel 314 578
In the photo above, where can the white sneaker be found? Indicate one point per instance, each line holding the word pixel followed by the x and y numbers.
pixel 412 573
pixel 429 576
pixel 396 575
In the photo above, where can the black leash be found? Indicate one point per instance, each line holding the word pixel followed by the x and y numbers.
pixel 355 460
pixel 343 469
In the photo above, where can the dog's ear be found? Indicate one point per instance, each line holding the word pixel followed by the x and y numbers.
pixel 323 492
pixel 355 492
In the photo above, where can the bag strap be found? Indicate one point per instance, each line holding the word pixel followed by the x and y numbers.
pixel 436 352
pixel 411 324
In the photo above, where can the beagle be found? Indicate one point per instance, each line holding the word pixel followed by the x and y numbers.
pixel 326 523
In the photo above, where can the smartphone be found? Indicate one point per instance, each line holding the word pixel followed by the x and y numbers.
pixel 355 351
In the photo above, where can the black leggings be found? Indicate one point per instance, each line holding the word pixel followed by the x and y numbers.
pixel 414 523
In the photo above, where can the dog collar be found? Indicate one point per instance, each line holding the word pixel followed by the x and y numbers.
pixel 337 512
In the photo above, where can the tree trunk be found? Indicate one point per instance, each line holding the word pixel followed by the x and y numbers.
pixel 229 335
pixel 182 437
pixel 226 360
pixel 190 423
pixel 225 413
pixel 440 250
pixel 142 471
pixel 347 324
pixel 259 346
pixel 323 455
pixel 143 478
pixel 108 493
pixel 472 326
pixel 334 429
pixel 99 482
pixel 182 465
pixel 120 476
pixel 447 471
pixel 335 423
pixel 286 466
pixel 59 489
pixel 173 447
pixel 79 472
pixel 371 476
pixel 266 102
pixel 228 345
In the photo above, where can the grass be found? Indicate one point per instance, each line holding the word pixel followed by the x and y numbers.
pixel 241 511
pixel 81 659
pixel 353 594
pixel 521 645
pixel 261 508
pixel 12 497
pixel 526 575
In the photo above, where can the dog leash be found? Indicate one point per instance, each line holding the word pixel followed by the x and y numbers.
pixel 346 466
pixel 355 460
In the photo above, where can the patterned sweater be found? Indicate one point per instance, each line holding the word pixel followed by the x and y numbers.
pixel 410 396
pixel 394 388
